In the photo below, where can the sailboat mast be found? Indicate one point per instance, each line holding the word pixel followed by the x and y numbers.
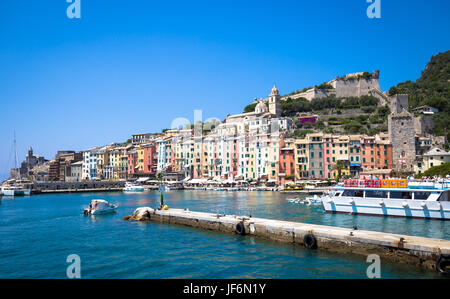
pixel 16 162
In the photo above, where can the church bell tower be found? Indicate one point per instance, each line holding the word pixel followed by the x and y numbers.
pixel 274 102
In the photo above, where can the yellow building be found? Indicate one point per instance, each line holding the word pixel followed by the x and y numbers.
pixel 340 152
pixel 301 158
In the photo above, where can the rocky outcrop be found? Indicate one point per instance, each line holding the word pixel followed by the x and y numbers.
pixel 141 214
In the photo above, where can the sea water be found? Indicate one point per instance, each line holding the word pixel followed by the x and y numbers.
pixel 38 233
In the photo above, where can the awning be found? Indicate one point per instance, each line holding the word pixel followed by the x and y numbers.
pixel 142 179
pixel 197 181
pixel 376 171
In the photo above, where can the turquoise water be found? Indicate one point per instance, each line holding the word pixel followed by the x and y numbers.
pixel 37 234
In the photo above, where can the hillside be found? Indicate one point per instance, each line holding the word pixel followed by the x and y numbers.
pixel 364 115
pixel 432 88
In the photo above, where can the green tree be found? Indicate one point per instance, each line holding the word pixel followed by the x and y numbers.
pixel 339 166
pixel 441 170
pixel 250 108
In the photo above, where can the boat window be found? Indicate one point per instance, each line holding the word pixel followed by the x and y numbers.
pixel 421 195
pixel 376 194
pixel 443 197
pixel 401 195
pixel 353 193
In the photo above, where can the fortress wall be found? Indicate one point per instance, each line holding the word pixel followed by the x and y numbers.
pixel 423 125
pixel 355 87
pixel 342 89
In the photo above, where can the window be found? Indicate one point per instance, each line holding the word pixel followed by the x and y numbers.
pixel 353 193
pixel 421 195
pixel 376 194
pixel 401 195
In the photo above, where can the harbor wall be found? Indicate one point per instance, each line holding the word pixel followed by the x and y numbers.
pixel 419 251
pixel 65 187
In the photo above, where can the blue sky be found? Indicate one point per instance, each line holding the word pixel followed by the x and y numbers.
pixel 134 66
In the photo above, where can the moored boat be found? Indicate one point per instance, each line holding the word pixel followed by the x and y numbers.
pixel 15 190
pixel 389 198
pixel 130 187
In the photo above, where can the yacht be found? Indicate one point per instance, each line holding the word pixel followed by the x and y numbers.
pixel 99 206
pixel 398 198
pixel 130 187
pixel 17 188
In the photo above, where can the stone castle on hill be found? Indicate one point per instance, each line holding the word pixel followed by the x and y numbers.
pixel 351 85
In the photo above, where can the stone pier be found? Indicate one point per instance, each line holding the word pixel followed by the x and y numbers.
pixel 424 252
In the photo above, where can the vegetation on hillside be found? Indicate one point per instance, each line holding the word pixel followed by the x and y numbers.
pixel 250 108
pixel 291 107
pixel 324 86
pixel 441 170
pixel 433 89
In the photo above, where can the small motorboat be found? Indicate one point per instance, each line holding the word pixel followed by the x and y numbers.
pixel 99 206
pixel 295 200
pixel 130 187
pixel 313 200
pixel 164 188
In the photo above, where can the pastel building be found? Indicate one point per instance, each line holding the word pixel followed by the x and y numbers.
pixel 302 158
pixel 287 162
pixel 354 147
pixel 316 156
pixel 89 168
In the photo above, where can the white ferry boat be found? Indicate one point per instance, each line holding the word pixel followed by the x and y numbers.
pixel 15 190
pixel 390 198
pixel 130 187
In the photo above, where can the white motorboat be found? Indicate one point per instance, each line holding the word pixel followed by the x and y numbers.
pixel 313 200
pixel 164 188
pixel 130 187
pixel 15 190
pixel 399 199
pixel 99 206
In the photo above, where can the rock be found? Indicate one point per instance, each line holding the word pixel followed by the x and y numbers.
pixel 140 214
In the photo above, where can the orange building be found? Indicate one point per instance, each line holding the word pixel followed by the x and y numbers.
pixel 287 162
pixel 375 154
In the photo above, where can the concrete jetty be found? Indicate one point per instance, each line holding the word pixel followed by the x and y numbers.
pixel 424 252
